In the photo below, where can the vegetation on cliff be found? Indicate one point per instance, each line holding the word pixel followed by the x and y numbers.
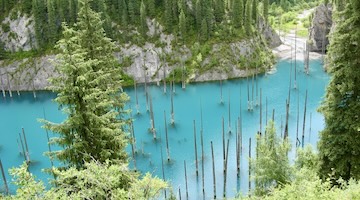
pixel 192 23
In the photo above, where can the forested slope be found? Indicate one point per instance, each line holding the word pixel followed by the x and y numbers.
pixel 202 39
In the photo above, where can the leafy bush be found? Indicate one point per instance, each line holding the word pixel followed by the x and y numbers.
pixel 306 185
pixel 95 181
pixel 5 27
pixel 289 17
pixel 305 22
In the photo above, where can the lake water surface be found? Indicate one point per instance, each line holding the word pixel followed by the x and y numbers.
pixel 23 111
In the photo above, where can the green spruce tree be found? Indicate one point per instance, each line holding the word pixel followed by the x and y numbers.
pixel 143 25
pixel 63 10
pixel 204 33
pixel 248 17
pixel 339 145
pixel 40 17
pixel 210 19
pixel 168 14
pixel 219 10
pixel 89 91
pixel 52 34
pixel 238 13
pixel 266 10
pixel 151 8
pixel 131 10
pixel 271 166
pixel 124 13
pixel 175 11
pixel 182 24
pixel 254 11
pixel 2 50
pixel 198 14
pixel 72 11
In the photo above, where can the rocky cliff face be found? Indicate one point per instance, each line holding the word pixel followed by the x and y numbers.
pixel 320 28
pixel 20 34
pixel 27 75
pixel 272 38
pixel 145 61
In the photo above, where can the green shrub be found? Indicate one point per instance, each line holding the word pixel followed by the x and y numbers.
pixel 288 17
pixel 5 27
pixel 305 22
pixel 13 15
pixel 12 35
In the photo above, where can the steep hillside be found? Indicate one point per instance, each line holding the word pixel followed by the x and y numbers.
pixel 211 44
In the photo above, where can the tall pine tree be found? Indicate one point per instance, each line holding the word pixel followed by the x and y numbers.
pixel 72 11
pixel 124 13
pixel 40 17
pixel 151 8
pixel 219 10
pixel 52 27
pixel 204 33
pixel 254 11
pixel 198 14
pixel 168 14
pixel 266 10
pixel 339 145
pixel 131 10
pixel 143 25
pixel 238 13
pixel 209 17
pixel 89 91
pixel 248 16
pixel 271 166
pixel 182 24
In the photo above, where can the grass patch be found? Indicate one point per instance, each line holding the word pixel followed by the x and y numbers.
pixel 302 33
pixel 20 55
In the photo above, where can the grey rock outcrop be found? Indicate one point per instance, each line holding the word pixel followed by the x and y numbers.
pixel 143 61
pixel 20 36
pixel 320 28
pixel 28 74
pixel 271 37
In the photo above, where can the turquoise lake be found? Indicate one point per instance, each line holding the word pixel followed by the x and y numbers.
pixel 24 111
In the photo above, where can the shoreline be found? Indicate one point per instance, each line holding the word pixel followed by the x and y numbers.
pixel 286 50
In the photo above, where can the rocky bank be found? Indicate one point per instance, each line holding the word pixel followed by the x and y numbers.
pixel 146 60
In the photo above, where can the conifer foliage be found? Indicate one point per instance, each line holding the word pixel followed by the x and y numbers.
pixel 266 10
pixel 271 166
pixel 339 145
pixel 89 92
